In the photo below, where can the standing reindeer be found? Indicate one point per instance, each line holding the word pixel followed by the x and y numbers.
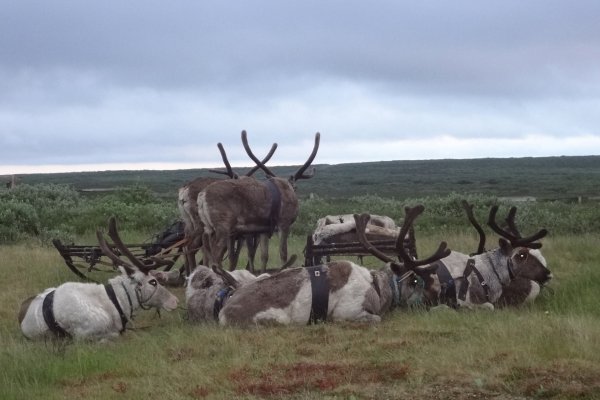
pixel 188 209
pixel 483 278
pixel 246 206
pixel 335 291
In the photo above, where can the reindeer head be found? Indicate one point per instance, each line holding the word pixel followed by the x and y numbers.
pixel 299 174
pixel 150 293
pixel 414 276
pixel 523 252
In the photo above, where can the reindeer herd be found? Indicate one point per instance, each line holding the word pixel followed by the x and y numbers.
pixel 222 215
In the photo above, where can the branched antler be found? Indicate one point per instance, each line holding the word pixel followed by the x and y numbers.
pixel 515 237
pixel 469 210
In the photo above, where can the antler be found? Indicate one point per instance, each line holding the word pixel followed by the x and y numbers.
pixel 300 172
pixel 515 237
pixel 263 161
pixel 130 269
pixel 226 276
pixel 114 235
pixel 410 215
pixel 469 210
pixel 258 163
pixel 361 229
pixel 409 263
pixel 229 171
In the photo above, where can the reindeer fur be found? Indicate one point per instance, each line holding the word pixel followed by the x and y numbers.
pixel 286 297
pixel 533 269
pixel 85 311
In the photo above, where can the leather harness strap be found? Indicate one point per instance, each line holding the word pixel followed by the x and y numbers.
pixel 275 205
pixel 470 268
pixel 48 314
pixel 447 285
pixel 319 283
pixel 222 296
pixel 113 298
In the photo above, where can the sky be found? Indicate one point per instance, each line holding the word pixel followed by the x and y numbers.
pixel 104 85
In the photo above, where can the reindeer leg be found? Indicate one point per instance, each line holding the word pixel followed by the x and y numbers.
pixel 283 238
pixel 251 244
pixel 206 249
pixel 233 252
pixel 264 251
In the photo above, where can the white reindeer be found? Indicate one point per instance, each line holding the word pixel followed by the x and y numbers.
pixel 95 311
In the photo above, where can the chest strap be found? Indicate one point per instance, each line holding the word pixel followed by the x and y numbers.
pixel 222 296
pixel 470 268
pixel 447 285
pixel 48 314
pixel 275 205
pixel 113 298
pixel 320 294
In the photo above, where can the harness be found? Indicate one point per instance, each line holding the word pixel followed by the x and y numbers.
pixel 395 285
pixel 447 285
pixel 48 314
pixel 222 296
pixel 320 294
pixel 470 268
pixel 110 291
pixel 275 205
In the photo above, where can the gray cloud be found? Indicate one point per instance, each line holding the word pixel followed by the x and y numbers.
pixel 113 82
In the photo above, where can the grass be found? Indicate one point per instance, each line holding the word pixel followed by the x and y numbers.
pixel 548 350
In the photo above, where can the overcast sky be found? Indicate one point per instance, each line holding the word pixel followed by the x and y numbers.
pixel 97 85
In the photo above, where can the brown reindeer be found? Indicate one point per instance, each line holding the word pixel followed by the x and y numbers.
pixel 240 206
pixel 188 209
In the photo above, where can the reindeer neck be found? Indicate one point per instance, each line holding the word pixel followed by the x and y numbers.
pixel 494 268
pixel 124 300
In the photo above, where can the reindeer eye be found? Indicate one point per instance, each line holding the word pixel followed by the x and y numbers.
pixel 522 256
pixel 153 282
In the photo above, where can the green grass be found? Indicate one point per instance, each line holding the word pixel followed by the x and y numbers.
pixel 548 350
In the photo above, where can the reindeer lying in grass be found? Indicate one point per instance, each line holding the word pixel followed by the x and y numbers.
pixel 93 311
pixel 336 291
pixel 511 273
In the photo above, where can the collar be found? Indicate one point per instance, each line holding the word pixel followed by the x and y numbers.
pixel 222 296
pixel 110 291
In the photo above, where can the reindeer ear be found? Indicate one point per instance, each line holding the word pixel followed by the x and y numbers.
pixel 505 246
pixel 125 271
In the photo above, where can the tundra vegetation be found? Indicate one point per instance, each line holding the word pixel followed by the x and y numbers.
pixel 550 349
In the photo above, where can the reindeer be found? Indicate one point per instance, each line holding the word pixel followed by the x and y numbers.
pixel 188 209
pixel 93 311
pixel 336 291
pixel 482 278
pixel 240 206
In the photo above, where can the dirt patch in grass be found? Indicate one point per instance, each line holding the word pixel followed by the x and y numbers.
pixel 560 379
pixel 278 380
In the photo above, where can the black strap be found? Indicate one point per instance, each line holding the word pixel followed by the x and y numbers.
pixel 48 313
pixel 320 294
pixel 470 268
pixel 447 285
pixel 222 295
pixel 113 297
pixel 462 293
pixel 275 205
